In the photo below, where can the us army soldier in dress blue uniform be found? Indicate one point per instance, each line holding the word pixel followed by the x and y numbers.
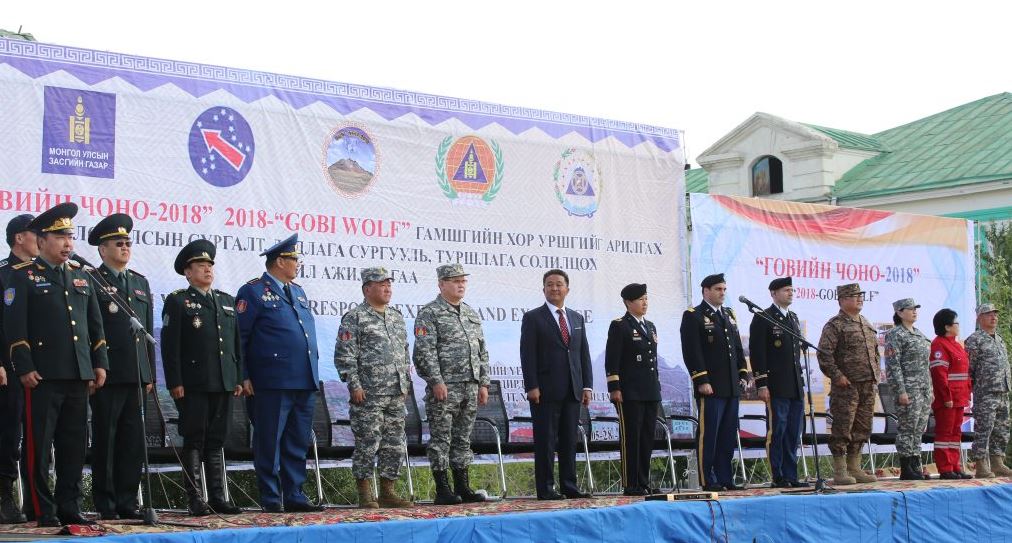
pixel 450 355
pixel 281 373
pixel 371 355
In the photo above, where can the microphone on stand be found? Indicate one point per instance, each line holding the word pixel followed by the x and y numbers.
pixel 80 260
pixel 751 305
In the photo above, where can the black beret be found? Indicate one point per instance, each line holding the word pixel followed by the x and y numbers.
pixel 198 250
pixel 18 225
pixel 780 283
pixel 117 225
pixel 711 280
pixel 634 291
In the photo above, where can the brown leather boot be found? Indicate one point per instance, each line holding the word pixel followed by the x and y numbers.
pixel 855 471
pixel 365 498
pixel 840 475
pixel 983 470
pixel 388 496
pixel 998 466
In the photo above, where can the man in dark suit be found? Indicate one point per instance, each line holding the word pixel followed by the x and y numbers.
pixel 776 365
pixel 630 361
pixel 203 362
pixel 555 359
pixel 57 348
pixel 711 347
pixel 117 443
pixel 282 369
pixel 24 248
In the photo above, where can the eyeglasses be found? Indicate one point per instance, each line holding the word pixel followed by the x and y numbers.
pixel 124 243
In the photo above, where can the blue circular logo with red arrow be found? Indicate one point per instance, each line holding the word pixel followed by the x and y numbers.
pixel 221 146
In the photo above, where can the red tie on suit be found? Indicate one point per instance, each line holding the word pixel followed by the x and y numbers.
pixel 564 327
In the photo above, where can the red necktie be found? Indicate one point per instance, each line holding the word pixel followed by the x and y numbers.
pixel 564 327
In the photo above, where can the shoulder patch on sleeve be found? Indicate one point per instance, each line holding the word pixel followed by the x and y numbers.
pixel 344 334
pixel 9 296
pixel 240 306
pixel 938 355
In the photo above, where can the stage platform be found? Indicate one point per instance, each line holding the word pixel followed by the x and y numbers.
pixel 891 510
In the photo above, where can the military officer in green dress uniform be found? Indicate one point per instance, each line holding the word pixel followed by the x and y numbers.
pixel 57 347
pixel 202 359
pixel 117 431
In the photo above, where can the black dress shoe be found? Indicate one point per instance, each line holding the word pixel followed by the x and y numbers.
pixel 799 484
pixel 713 488
pixel 551 496
pixel 949 475
pixel 108 515
pixel 964 475
pixel 75 518
pixel 130 514
pixel 48 521
pixel 576 495
pixel 273 508
pixel 634 491
pixel 780 483
pixel 302 507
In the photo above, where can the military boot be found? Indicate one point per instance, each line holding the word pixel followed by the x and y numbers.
pixel 191 480
pixel 915 462
pixel 444 496
pixel 998 466
pixel 908 470
pixel 983 470
pixel 462 486
pixel 840 476
pixel 9 512
pixel 215 471
pixel 365 498
pixel 388 496
pixel 855 471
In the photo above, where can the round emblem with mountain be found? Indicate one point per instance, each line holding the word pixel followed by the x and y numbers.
pixel 577 182
pixel 469 169
pixel 351 160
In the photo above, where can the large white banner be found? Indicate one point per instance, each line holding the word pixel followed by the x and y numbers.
pixel 892 256
pixel 366 176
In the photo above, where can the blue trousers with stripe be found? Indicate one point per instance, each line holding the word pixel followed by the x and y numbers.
pixel 717 440
pixel 784 416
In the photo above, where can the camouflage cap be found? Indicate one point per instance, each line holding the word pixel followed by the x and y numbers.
pixel 905 303
pixel 449 271
pixel 850 289
pixel 375 275
pixel 986 308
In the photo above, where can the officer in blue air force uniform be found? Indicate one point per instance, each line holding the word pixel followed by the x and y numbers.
pixel 281 375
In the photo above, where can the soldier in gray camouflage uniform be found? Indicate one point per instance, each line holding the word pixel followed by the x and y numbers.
pixel 372 357
pixel 450 355
pixel 989 369
pixel 907 352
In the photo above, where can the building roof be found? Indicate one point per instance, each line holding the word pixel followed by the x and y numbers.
pixel 697 180
pixel 851 140
pixel 968 144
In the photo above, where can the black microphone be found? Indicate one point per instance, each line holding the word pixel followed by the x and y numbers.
pixel 80 260
pixel 751 305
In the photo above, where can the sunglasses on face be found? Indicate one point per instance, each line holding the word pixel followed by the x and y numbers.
pixel 124 243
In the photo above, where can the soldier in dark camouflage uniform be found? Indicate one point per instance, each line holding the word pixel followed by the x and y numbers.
pixel 907 351
pixel 372 357
pixel 849 358
pixel 989 370
pixel 450 355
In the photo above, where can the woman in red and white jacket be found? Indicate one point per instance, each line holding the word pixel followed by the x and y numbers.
pixel 950 378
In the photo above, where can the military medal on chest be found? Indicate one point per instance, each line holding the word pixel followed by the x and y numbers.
pixel 197 323
pixel 113 308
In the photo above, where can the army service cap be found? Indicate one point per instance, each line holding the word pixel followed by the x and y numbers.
pixel 375 275
pixel 117 225
pixel 850 289
pixel 55 219
pixel 449 271
pixel 905 303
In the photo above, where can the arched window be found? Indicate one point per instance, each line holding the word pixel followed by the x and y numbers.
pixel 767 176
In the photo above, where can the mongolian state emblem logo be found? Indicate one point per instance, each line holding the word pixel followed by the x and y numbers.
pixel 469 170
pixel 577 182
